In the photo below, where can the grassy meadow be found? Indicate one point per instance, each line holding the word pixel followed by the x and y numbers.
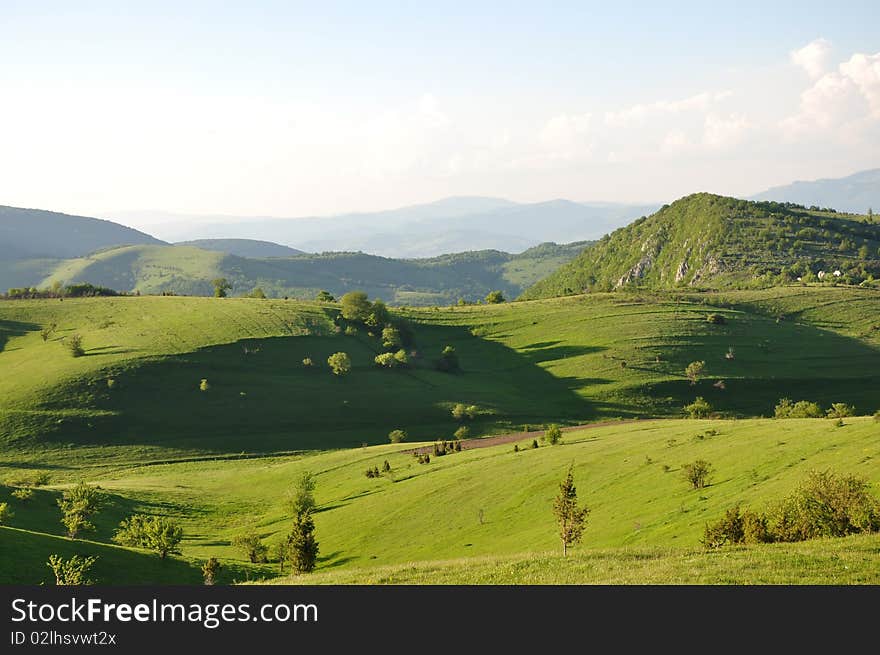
pixel 221 461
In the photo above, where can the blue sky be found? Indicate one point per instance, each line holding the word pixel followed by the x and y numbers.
pixel 287 109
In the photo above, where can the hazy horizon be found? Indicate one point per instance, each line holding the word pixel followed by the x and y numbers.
pixel 278 110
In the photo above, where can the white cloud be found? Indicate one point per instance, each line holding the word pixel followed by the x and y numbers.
pixel 724 132
pixel 841 102
pixel 640 113
pixel 813 57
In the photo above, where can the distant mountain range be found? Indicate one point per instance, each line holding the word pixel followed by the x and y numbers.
pixel 853 193
pixel 454 224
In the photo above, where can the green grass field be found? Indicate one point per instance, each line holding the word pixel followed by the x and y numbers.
pixel 220 461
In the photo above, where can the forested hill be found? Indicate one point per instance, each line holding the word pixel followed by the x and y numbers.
pixel 705 240
pixel 35 233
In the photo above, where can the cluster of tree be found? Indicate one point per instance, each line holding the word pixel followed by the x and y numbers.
pixel 823 505
pixel 807 409
pixel 156 533
pixel 444 447
pixel 57 290
pixel 422 458
pixel 462 412
pixel 374 471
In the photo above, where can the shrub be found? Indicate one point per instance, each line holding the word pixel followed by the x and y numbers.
pixel 339 363
pixel 825 505
pixel 737 527
pixel 23 495
pixel 325 296
pixel 78 505
pixel 221 287
pixel 700 408
pixel 351 331
pixel 396 436
pixel 72 571
pixel 6 514
pixel 716 319
pixel 385 360
pixel 697 473
pixel 355 306
pixel 534 443
pixel 553 434
pixel 462 433
pixel 448 362
pixel 386 467
pixel 877 415
pixel 156 533
pixel 401 358
pixel 372 472
pixel 494 298
pixel 257 292
pixel 391 338
pixel 841 410
pixel 210 569
pixel 307 362
pixel 74 344
pixel 801 409
pixel 301 497
pixel 516 448
pixel 203 385
pixel 251 546
pixel 694 370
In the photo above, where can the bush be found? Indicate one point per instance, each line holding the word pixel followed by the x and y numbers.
pixel 737 527
pixel 694 370
pixel 841 410
pixel 203 385
pixel 251 547
pixel 78 505
pixel 825 505
pixel 448 362
pixel 23 495
pixel 372 472
pixel 74 344
pixel 210 569
pixel 494 298
pixel 801 409
pixel 391 338
pixel 396 436
pixel 339 363
pixel 355 306
pixel 697 473
pixel 386 467
pixel 534 443
pixel 307 362
pixel 156 533
pixel 72 571
pixel 385 360
pixel 401 357
pixel 462 433
pixel 700 408
pixel 460 411
pixel 716 319
pixel 553 434
pixel 877 415
pixel 351 331
pixel 257 292
pixel 325 296
pixel 6 514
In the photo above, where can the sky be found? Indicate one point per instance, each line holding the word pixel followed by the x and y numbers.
pixel 297 109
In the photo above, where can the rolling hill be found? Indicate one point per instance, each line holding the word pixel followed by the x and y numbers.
pixel 130 416
pixel 711 241
pixel 39 234
pixel 188 270
pixel 449 225
pixel 251 248
pixel 854 193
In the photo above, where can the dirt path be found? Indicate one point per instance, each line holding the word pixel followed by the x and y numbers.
pixel 497 440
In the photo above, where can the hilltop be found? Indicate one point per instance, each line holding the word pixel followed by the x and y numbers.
pixel 188 270
pixel 40 234
pixel 252 248
pixel 710 241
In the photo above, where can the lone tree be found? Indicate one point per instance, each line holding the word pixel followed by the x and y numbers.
pixel 694 370
pixel 221 287
pixel 697 473
pixel 494 297
pixel 156 533
pixel 339 363
pixel 78 505
pixel 448 361
pixel 396 436
pixel 302 546
pixel 356 306
pixel 72 571
pixel 210 569
pixel 74 344
pixel 301 497
pixel 553 434
pixel 325 296
pixel 570 518
pixel 251 547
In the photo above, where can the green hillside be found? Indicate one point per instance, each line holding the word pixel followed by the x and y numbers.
pixel 243 247
pixel 628 474
pixel 710 241
pixel 39 234
pixel 188 270
pixel 610 355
